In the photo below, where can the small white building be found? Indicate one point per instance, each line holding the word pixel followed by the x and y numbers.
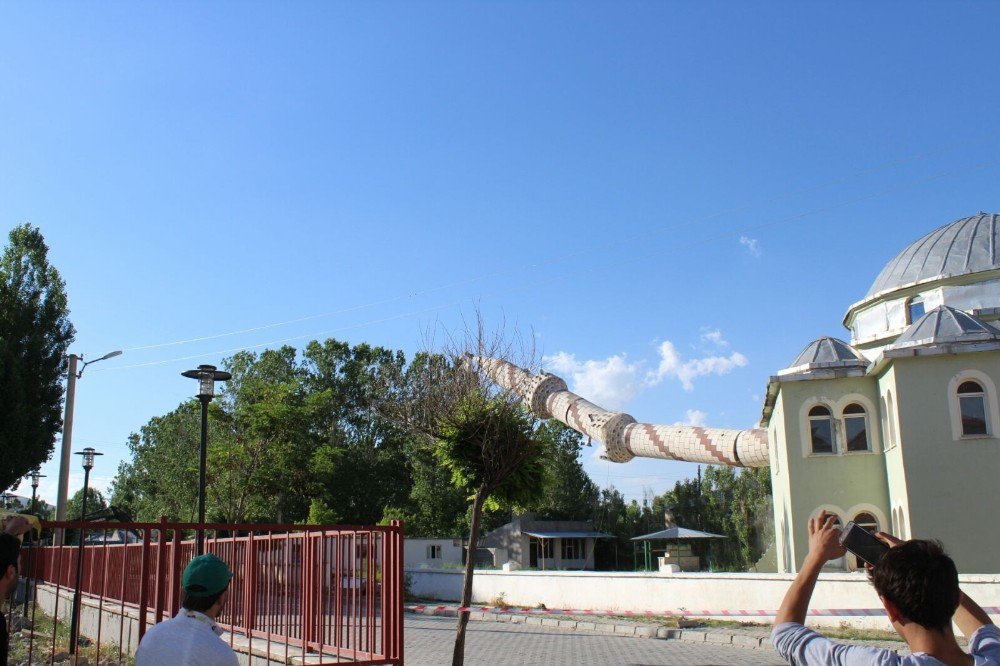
pixel 433 553
pixel 544 544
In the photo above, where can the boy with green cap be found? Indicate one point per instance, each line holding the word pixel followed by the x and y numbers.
pixel 192 638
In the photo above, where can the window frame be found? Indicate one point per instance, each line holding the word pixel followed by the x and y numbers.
pixel 866 429
pixel 989 403
pixel 908 306
pixel 434 551
pixel 828 417
pixel 572 544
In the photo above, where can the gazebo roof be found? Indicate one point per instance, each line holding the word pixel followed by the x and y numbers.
pixel 678 533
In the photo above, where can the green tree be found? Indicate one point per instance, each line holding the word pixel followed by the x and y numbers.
pixel 359 466
pixel 161 479
pixel 74 509
pixel 35 333
pixel 567 493
pixel 733 503
pixel 490 448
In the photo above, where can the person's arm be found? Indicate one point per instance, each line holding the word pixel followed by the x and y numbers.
pixel 16 526
pixel 824 545
pixel 969 616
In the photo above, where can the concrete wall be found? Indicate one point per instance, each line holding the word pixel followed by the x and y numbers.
pixel 618 591
pixel 120 627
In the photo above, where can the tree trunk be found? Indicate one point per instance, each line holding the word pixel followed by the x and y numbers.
pixel 458 656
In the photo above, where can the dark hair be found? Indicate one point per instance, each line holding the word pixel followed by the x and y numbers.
pixel 201 604
pixel 921 580
pixel 10 548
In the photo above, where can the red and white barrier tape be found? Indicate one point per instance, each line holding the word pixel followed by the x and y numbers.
pixel 514 610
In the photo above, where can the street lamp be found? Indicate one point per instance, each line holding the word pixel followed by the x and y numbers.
pixel 206 375
pixel 88 464
pixel 36 474
pixel 67 439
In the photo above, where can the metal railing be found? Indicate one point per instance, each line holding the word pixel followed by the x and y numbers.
pixel 335 591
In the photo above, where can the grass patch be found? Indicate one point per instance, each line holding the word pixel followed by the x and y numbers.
pixel 43 629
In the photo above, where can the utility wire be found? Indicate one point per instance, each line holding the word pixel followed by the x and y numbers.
pixel 621 242
pixel 576 273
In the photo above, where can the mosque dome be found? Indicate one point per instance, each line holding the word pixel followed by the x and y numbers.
pixel 965 246
pixel 944 325
pixel 826 352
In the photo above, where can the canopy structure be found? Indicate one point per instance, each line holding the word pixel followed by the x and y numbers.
pixel 675 533
pixel 678 534
pixel 569 535
pixel 546 535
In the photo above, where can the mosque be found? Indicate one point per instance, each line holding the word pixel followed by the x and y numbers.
pixel 898 430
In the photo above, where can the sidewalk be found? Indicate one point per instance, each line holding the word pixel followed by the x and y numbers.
pixel 749 635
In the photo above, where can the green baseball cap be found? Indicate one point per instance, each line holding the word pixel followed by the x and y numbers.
pixel 205 575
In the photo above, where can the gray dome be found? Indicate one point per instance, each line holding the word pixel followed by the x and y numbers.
pixel 945 325
pixel 965 246
pixel 829 352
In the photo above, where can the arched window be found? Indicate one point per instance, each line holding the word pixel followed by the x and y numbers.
pixel 870 523
pixel 821 429
pixel 914 309
pixel 856 427
pixel 972 404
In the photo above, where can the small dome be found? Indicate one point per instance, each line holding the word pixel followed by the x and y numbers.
pixel 945 325
pixel 828 352
pixel 965 246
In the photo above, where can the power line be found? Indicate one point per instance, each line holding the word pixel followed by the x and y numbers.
pixel 621 242
pixel 551 280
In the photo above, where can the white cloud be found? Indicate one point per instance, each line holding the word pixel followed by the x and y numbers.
pixel 671 365
pixel 693 417
pixel 611 383
pixel 714 336
pixel 751 245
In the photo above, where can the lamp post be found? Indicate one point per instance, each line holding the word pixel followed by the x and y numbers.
pixel 36 474
pixel 206 375
pixel 67 439
pixel 88 464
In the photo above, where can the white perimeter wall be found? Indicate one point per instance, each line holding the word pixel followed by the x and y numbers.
pixel 618 591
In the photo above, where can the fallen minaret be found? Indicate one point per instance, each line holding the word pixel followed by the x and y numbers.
pixel 549 398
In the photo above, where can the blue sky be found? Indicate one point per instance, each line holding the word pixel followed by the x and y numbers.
pixel 725 177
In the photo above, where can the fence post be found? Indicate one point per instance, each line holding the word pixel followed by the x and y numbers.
pixel 143 582
pixel 161 570
pixel 175 575
pixel 397 567
pixel 250 587
pixel 305 593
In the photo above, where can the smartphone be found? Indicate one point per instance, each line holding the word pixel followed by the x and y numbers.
pixel 862 543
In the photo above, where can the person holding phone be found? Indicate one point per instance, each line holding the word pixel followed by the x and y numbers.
pixel 918 585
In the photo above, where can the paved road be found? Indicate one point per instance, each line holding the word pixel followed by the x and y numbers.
pixel 429 642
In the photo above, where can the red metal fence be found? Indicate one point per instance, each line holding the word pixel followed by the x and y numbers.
pixel 335 591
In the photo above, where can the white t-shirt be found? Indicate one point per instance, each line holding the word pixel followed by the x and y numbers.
pixel 800 645
pixel 188 639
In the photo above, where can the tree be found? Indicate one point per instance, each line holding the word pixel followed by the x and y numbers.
pixel 734 503
pixel 35 333
pixel 74 509
pixel 481 433
pixel 567 493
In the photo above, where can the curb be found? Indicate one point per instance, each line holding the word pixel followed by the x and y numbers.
pixel 635 630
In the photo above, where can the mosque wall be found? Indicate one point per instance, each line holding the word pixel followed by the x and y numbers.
pixel 894 467
pixel 845 483
pixel 781 493
pixel 950 483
